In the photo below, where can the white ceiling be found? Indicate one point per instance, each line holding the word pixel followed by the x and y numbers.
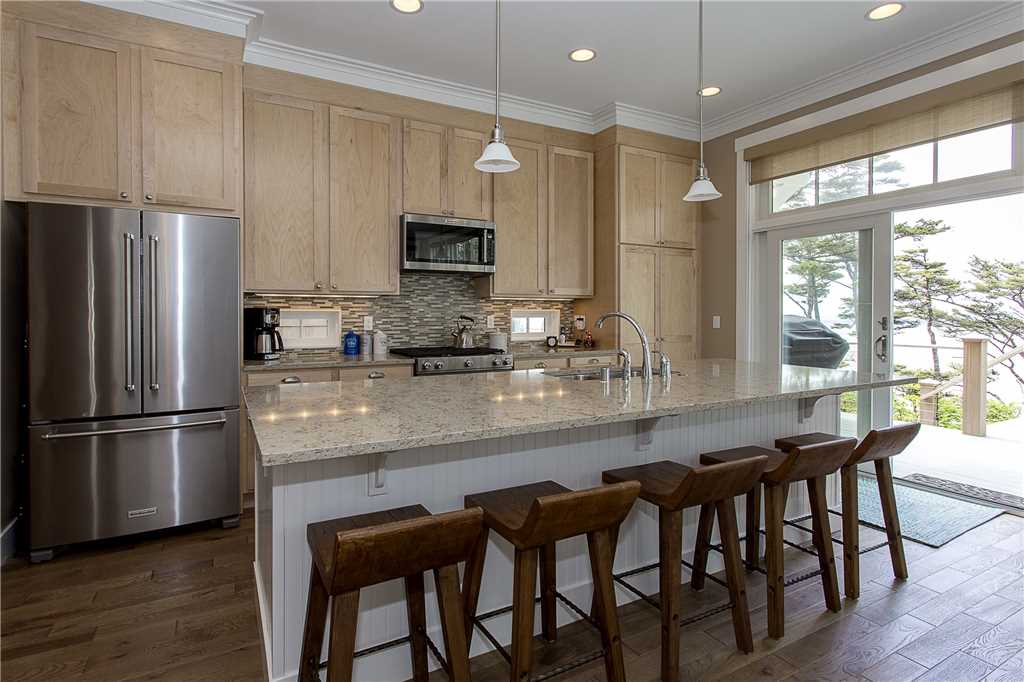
pixel 778 53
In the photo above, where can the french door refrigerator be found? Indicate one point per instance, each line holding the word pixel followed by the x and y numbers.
pixel 133 356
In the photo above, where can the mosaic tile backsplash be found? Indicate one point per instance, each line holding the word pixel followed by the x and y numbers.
pixel 424 312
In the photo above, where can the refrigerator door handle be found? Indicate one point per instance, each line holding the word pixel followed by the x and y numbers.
pixel 154 363
pixel 129 323
pixel 137 429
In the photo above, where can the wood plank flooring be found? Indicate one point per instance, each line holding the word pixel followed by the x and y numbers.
pixel 181 605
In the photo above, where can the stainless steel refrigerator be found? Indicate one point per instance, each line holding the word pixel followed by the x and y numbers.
pixel 133 347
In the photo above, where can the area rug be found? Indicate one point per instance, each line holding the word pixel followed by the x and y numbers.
pixel 929 518
pixel 984 494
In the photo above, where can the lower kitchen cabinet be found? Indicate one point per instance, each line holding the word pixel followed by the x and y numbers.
pixel 541 363
pixel 366 373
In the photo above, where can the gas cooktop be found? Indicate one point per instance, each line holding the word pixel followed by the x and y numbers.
pixel 449 359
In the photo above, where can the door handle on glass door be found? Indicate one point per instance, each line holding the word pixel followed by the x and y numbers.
pixel 154 364
pixel 882 341
pixel 129 317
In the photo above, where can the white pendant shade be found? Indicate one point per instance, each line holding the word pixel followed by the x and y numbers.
pixel 702 189
pixel 497 158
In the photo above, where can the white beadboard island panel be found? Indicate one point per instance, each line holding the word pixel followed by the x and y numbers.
pixel 290 496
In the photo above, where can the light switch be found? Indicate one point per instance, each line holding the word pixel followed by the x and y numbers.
pixel 716 321
pixel 367 323
pixel 490 321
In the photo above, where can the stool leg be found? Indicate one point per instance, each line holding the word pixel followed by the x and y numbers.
pixel 548 618
pixel 705 526
pixel 823 542
pixel 449 605
pixel 887 494
pixel 670 554
pixel 600 545
pixel 416 607
pixel 613 535
pixel 734 574
pixel 471 584
pixel 753 549
pixel 774 504
pixel 313 631
pixel 344 613
pixel 524 583
pixel 851 532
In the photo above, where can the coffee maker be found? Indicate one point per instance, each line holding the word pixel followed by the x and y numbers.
pixel 262 339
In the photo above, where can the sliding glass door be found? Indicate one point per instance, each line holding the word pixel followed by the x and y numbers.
pixel 826 302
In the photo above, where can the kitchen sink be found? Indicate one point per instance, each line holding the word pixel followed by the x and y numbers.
pixel 595 373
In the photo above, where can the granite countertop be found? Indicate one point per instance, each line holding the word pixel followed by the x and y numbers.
pixel 315 421
pixel 324 359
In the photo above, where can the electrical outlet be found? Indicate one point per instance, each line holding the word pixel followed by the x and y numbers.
pixel 716 321
pixel 367 323
pixel 490 321
pixel 377 475
pixel 580 322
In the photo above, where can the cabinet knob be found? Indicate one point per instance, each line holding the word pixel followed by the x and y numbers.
pixel 318 285
pixel 334 286
pixel 124 195
pixel 149 197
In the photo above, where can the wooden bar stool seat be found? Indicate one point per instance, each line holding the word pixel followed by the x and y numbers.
pixel 878 447
pixel 359 551
pixel 810 463
pixel 533 518
pixel 673 487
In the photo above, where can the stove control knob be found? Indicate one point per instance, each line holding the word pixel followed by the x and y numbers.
pixel 438 365
pixel 427 365
pixel 496 362
pixel 469 363
pixel 507 361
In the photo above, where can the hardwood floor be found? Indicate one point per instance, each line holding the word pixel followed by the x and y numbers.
pixel 181 605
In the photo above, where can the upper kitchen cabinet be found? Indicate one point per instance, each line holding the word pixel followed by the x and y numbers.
pixel 570 222
pixel 287 244
pixel 520 212
pixel 438 174
pixel 365 201
pixel 76 133
pixel 651 206
pixel 189 140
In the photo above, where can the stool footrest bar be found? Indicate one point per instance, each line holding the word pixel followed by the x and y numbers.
pixel 376 648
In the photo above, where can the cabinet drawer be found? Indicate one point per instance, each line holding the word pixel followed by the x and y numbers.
pixel 593 361
pixel 283 377
pixel 542 363
pixel 363 373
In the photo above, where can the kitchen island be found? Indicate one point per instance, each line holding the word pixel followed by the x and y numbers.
pixel 327 450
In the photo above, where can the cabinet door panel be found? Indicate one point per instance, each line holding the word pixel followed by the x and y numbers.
pixel 286 198
pixel 638 196
pixel 677 299
pixel 570 222
pixel 189 145
pixel 469 190
pixel 76 114
pixel 520 211
pixel 364 194
pixel 638 268
pixel 425 161
pixel 678 217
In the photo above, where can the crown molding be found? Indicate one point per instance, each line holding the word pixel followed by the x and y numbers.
pixel 620 113
pixel 978 30
pixel 221 17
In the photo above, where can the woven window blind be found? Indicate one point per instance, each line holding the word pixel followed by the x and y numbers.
pixel 980 111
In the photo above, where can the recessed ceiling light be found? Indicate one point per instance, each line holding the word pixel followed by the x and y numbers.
pixel 710 91
pixel 582 54
pixel 889 9
pixel 407 6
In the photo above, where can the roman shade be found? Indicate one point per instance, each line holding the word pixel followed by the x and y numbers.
pixel 795 155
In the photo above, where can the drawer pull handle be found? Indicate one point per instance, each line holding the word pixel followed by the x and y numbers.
pixel 541 365
pixel 594 361
pixel 375 375
pixel 291 380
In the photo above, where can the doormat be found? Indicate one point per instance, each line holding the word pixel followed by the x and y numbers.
pixel 993 496
pixel 929 518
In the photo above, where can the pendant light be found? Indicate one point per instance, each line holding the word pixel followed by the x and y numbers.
pixel 497 157
pixel 702 188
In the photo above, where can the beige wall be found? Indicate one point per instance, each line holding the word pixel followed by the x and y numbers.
pixel 718 224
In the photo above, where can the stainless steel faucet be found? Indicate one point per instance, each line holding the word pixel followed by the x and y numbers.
pixel 646 373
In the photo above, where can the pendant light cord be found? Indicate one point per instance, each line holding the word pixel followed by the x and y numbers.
pixel 497 62
pixel 700 80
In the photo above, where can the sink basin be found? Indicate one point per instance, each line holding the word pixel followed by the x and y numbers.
pixel 594 373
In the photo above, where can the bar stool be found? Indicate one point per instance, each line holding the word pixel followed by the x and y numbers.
pixel 358 551
pixel 673 487
pixel 810 463
pixel 878 446
pixel 533 518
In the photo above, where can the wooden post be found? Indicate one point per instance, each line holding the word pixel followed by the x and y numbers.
pixel 975 398
pixel 928 408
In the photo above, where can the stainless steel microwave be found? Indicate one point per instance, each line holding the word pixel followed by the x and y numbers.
pixel 445 244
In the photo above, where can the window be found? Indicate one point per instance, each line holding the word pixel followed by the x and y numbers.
pixel 843 181
pixel 983 151
pixel 903 168
pixel 533 325
pixel 794 191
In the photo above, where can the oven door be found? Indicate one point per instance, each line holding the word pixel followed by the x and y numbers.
pixel 447 244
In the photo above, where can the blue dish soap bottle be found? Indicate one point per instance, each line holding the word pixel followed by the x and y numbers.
pixel 351 344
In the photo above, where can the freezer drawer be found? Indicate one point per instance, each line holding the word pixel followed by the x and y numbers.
pixel 103 479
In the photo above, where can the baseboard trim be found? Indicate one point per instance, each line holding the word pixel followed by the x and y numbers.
pixel 261 600
pixel 7 544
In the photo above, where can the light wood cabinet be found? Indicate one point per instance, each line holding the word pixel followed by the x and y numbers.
pixel 520 211
pixel 570 222
pixel 375 373
pixel 594 361
pixel 189 141
pixel 651 207
pixel 438 176
pixel 76 122
pixel 541 363
pixel 658 287
pixel 287 239
pixel 364 197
